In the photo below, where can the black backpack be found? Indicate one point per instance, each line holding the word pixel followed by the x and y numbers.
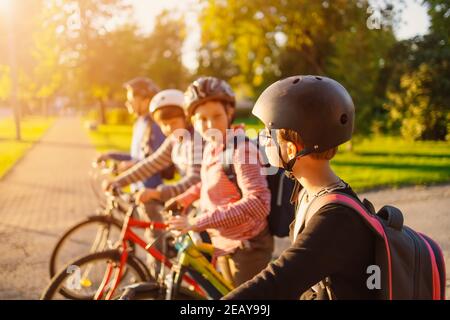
pixel 282 212
pixel 411 264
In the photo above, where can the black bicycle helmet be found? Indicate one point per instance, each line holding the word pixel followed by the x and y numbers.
pixel 142 86
pixel 206 89
pixel 319 108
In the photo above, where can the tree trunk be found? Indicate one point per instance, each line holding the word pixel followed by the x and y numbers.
pixel 102 111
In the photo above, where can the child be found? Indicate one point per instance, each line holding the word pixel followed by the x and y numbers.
pixel 147 136
pixel 306 118
pixel 167 110
pixel 233 213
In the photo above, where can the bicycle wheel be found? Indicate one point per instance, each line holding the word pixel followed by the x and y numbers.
pixel 82 277
pixel 97 233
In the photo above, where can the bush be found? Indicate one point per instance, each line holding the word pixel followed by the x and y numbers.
pixel 412 107
pixel 119 116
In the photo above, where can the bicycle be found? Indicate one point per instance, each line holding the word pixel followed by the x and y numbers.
pixel 191 259
pixel 120 261
pixel 97 232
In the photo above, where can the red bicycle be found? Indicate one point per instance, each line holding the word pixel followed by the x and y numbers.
pixel 100 275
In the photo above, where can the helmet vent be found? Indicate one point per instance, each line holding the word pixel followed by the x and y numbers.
pixel 296 80
pixel 344 119
pixel 318 78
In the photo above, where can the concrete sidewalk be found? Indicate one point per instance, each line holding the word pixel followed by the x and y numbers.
pixel 46 192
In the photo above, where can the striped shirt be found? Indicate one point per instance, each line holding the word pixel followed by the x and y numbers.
pixel 183 153
pixel 230 218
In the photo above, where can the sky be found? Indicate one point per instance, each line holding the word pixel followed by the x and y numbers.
pixel 414 21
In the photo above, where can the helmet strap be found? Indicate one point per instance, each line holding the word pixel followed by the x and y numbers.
pixel 289 166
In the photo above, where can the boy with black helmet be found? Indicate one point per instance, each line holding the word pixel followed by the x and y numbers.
pixel 306 119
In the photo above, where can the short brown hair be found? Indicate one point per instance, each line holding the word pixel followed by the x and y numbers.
pixel 168 112
pixel 294 136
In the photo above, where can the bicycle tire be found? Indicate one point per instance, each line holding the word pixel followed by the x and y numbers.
pixel 106 220
pixel 54 287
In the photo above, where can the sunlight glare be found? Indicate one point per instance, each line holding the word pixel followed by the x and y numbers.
pixel 5 5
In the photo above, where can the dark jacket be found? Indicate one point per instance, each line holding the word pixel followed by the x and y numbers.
pixel 336 243
pixel 151 142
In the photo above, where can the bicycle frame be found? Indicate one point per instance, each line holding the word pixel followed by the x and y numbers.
pixel 191 258
pixel 129 235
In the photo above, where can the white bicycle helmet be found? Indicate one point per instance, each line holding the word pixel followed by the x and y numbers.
pixel 165 98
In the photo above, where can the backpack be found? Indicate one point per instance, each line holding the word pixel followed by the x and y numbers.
pixel 282 212
pixel 411 264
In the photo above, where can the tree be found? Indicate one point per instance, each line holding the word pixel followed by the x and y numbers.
pixel 83 26
pixel 102 50
pixel 163 49
pixel 252 44
pixel 423 64
pixel 411 106
pixel 47 74
pixel 16 33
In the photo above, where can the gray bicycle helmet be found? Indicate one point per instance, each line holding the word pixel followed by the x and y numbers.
pixel 206 89
pixel 319 108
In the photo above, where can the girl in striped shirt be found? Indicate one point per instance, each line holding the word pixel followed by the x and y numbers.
pixel 233 213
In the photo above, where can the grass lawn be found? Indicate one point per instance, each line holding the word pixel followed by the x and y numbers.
pixel 32 128
pixel 391 161
pixel 374 162
pixel 111 137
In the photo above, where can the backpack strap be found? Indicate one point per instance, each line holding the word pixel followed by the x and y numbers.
pixel 347 201
pixel 227 164
pixel 371 220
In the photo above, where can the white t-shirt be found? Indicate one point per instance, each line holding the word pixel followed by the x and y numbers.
pixel 300 216
pixel 139 129
pixel 136 152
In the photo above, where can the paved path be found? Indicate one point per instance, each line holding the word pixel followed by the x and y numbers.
pixel 47 191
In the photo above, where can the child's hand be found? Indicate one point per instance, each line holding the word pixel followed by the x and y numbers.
pixel 102 157
pixel 173 205
pixel 146 195
pixel 180 224
pixel 108 184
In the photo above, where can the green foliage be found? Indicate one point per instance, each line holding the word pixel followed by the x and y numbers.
pixel 251 44
pixel 114 116
pixel 120 116
pixel 111 137
pixel 411 106
pixel 87 49
pixel 5 82
pixel 419 96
